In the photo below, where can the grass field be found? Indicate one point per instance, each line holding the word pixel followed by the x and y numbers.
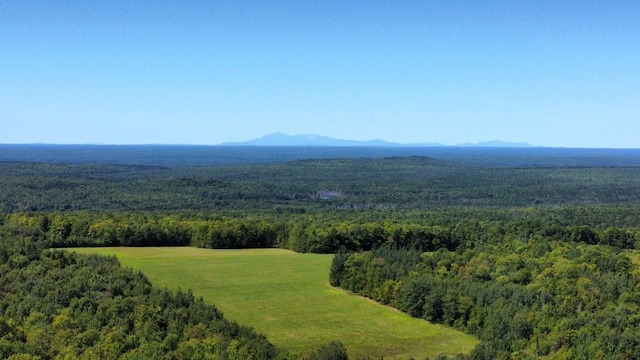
pixel 286 296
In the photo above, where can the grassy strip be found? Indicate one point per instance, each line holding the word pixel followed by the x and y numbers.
pixel 286 296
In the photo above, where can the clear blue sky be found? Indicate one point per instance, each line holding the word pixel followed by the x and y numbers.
pixel 553 73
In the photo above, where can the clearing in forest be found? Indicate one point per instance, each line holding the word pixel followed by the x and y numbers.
pixel 286 295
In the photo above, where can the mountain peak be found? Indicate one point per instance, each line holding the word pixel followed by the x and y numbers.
pixel 282 139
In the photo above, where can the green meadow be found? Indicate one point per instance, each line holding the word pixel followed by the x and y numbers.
pixel 286 295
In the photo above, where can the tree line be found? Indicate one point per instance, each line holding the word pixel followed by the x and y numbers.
pixel 524 299
pixel 302 233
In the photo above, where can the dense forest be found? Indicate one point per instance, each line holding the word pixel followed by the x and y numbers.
pixel 57 304
pixel 528 253
pixel 334 184
pixel 61 305
pixel 524 299
pixel 327 233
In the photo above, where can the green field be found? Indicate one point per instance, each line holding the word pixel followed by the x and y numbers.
pixel 286 296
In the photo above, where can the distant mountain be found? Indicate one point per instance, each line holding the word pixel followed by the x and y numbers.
pixel 280 139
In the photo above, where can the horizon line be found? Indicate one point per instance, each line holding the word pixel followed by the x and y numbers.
pixel 392 145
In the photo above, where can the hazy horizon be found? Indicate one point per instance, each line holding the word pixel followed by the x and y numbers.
pixel 487 143
pixel 547 73
pixel 501 143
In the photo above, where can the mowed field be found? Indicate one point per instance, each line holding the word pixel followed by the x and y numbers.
pixel 286 296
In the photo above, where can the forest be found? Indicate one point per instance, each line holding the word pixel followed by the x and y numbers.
pixel 530 254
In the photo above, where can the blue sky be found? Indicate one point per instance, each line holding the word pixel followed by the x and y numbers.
pixel 552 73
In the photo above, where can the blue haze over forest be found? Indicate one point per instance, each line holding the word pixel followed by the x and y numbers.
pixel 198 155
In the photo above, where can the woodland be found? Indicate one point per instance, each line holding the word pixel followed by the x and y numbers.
pixel 532 255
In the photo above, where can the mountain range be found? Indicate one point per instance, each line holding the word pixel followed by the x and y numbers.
pixel 280 139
